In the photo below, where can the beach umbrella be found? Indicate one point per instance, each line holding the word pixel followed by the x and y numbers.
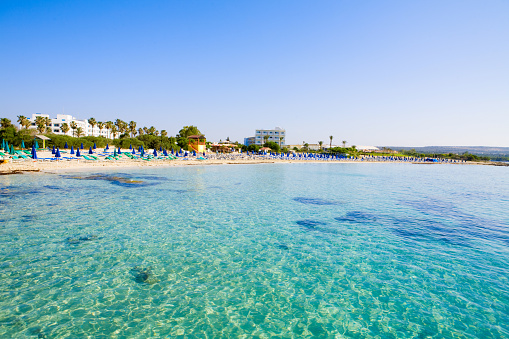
pixel 36 144
pixel 53 150
pixel 115 152
pixel 11 152
pixel 155 152
pixel 90 151
pixel 72 150
pixel 134 152
pixel 165 153
pixel 119 150
pixel 172 152
pixel 142 151
pixel 95 147
pixel 160 149
pixel 81 146
pixel 6 148
pixel 194 153
pixel 78 154
pixel 66 147
pixel 130 146
pixel 203 153
pixel 57 154
pixel 107 147
pixel 34 153
pixel 22 143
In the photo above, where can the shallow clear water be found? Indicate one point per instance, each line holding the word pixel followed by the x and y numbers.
pixel 282 250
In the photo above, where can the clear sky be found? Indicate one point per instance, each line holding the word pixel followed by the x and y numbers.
pixel 406 73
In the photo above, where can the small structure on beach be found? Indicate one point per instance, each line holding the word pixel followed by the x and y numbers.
pixel 196 143
pixel 43 138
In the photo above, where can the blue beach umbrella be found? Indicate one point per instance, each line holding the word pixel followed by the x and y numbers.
pixel 160 149
pixel 130 146
pixel 115 152
pixel 22 143
pixel 81 146
pixel 34 153
pixel 90 151
pixel 107 147
pixel 165 153
pixel 53 150
pixel 72 150
pixel 119 150
pixel 134 152
pixel 142 152
pixel 57 154
pixel 95 147
pixel 78 154
pixel 194 153
pixel 155 152
pixel 66 147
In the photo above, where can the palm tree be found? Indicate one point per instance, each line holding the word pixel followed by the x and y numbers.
pixel 164 133
pixel 152 130
pixel 132 128
pixel 47 121
pixel 40 122
pixel 280 141
pixel 121 126
pixel 113 131
pixel 145 130
pixel 265 138
pixel 64 128
pixel 140 131
pixel 73 126
pixel 109 126
pixel 23 121
pixel 100 125
pixel 330 137
pixel 79 131
pixel 5 122
pixel 320 143
pixel 92 123
pixel 344 143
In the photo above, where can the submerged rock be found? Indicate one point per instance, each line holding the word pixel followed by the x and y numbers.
pixel 316 201
pixel 310 224
pixel 144 275
pixel 81 238
pixel 358 216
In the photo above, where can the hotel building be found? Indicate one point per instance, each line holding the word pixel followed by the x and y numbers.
pixel 57 122
pixel 277 135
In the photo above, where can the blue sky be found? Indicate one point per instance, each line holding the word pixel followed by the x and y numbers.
pixel 407 73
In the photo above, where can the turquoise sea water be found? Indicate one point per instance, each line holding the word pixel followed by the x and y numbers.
pixel 263 251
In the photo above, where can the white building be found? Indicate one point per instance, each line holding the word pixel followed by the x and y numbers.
pixel 277 135
pixel 65 118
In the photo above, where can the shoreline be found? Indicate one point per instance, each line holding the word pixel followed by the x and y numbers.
pixel 23 167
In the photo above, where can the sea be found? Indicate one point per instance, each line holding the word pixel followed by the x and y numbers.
pixel 332 250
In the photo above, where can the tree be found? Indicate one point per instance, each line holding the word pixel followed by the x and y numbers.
pixel 151 130
pixel 140 131
pixel 272 145
pixel 132 128
pixel 320 143
pixel 109 126
pixel 344 143
pixel 23 121
pixel 164 133
pixel 64 128
pixel 40 122
pixel 5 123
pixel 92 123
pixel 100 125
pixel 187 131
pixel 330 145
pixel 265 138
pixel 79 131
pixel 73 126
pixel 47 121
pixel 114 131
